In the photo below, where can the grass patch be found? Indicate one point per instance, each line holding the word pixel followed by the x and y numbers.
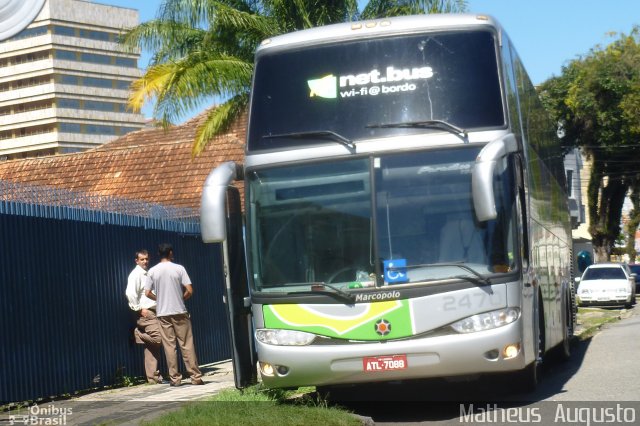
pixel 261 407
pixel 591 320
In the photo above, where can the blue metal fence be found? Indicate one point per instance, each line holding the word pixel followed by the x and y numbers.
pixel 58 203
pixel 64 320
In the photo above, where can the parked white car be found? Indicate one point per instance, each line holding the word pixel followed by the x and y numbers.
pixel 607 284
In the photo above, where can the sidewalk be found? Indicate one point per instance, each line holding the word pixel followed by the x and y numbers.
pixel 124 406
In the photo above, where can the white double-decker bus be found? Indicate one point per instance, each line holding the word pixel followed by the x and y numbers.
pixel 404 211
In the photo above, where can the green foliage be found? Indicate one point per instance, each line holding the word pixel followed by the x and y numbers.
pixel 596 100
pixel 123 380
pixel 203 49
pixel 386 8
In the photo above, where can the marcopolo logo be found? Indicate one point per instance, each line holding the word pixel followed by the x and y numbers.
pixel 378 296
pixel 368 84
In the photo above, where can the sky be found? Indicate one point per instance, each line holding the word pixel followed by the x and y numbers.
pixel 546 33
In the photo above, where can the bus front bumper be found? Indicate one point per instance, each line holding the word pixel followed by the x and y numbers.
pixel 442 356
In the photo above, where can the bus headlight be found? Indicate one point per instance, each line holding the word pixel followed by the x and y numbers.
pixel 284 337
pixel 486 321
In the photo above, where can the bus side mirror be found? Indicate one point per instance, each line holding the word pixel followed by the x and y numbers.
pixel 484 201
pixel 212 206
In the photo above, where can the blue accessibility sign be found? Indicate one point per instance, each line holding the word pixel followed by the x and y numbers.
pixel 395 271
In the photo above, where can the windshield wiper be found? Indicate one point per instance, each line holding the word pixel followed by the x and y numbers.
pixel 483 280
pixel 326 134
pixel 477 277
pixel 425 124
pixel 319 288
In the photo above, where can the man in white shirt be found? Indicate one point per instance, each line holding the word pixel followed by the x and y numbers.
pixel 170 285
pixel 147 331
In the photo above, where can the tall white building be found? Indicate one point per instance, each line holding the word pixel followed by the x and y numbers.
pixel 64 80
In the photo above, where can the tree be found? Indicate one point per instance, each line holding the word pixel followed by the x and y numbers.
pixel 596 100
pixel 385 8
pixel 203 49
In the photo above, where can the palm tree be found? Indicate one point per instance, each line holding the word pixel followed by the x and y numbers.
pixel 385 8
pixel 204 49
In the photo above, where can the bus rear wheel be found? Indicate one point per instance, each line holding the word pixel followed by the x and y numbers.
pixel 565 347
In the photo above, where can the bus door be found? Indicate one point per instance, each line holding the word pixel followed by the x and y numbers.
pixel 237 295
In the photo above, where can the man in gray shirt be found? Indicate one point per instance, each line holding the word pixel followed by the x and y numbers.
pixel 170 286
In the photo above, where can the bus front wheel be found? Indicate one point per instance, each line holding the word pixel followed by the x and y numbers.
pixel 527 379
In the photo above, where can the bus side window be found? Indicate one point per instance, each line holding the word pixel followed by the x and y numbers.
pixel 523 226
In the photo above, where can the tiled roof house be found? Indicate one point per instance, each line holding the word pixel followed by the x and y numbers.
pixel 149 165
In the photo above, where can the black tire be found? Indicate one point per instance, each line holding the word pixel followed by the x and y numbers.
pixel 564 349
pixel 527 379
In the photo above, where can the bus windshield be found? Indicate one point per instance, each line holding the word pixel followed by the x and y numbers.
pixel 356 89
pixel 388 219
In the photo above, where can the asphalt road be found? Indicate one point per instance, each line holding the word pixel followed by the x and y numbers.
pixel 598 385
pixel 603 368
